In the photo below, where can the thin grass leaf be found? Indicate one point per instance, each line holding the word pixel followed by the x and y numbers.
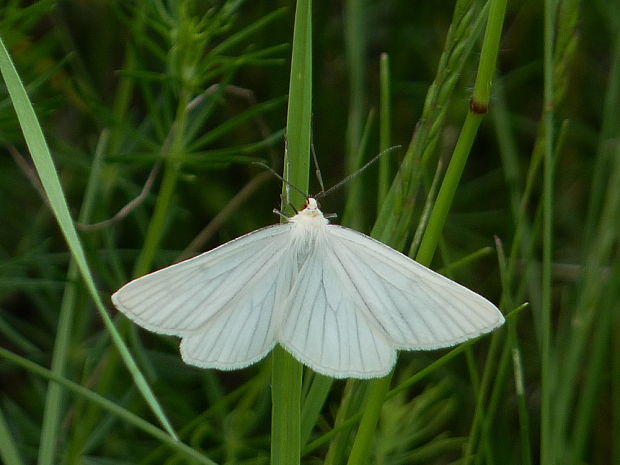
pixel 445 197
pixel 232 123
pixel 480 99
pixel 354 215
pixel 239 37
pixel 50 432
pixel 107 405
pixel 385 131
pixel 349 413
pixel 549 453
pixel 9 452
pixel 49 179
pixel 355 34
pixel 286 371
pixel 394 222
pixel 313 403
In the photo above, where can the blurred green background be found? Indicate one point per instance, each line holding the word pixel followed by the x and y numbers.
pixel 203 86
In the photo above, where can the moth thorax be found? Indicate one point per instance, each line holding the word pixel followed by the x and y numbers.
pixel 305 241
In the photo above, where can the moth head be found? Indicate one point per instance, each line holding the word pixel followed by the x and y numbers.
pixel 310 214
pixel 312 204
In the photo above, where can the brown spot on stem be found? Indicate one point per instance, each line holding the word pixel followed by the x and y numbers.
pixel 477 107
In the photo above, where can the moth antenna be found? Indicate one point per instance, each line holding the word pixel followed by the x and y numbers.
pixel 351 176
pixel 329 216
pixel 267 167
pixel 290 205
pixel 318 170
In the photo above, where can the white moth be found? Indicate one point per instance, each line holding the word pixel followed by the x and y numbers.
pixel 341 302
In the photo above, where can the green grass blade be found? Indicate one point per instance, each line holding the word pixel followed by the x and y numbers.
pixel 51 184
pixel 54 398
pixel 299 112
pixel 360 453
pixel 385 131
pixel 478 107
pixel 8 447
pixel 287 371
pixel 548 447
pixel 313 404
pixel 432 235
pixel 108 405
pixel 244 34
pixel 353 400
pixel 395 219
pixel 354 215
pixel 355 34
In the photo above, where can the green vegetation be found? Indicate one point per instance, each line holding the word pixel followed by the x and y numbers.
pixel 129 132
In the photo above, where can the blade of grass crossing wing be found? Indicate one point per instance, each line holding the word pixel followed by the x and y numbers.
pixel 480 99
pixel 286 373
